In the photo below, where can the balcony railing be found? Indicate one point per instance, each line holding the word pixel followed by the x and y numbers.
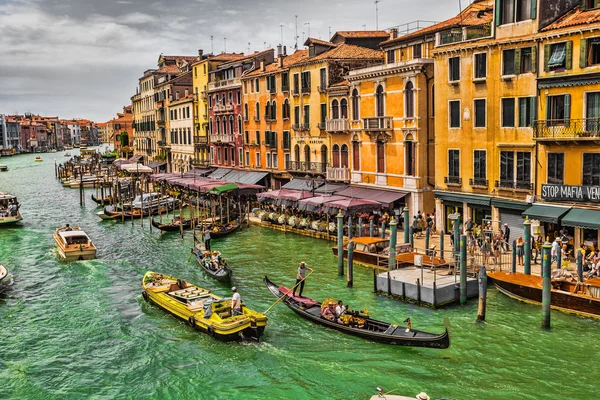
pixel 338 174
pixel 453 180
pixel 337 125
pixel 300 127
pixel 222 138
pixel 519 185
pixel 322 89
pixel 377 124
pixel 198 162
pixel 567 129
pixel 479 182
pixel 457 35
pixel 224 84
pixel 301 166
pixel 305 89
pixel 200 139
pixel 285 88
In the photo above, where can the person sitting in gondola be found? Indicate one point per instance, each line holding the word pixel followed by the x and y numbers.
pixel 328 312
pixel 340 309
pixel 215 261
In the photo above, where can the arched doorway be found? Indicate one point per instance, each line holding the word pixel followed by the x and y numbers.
pixel 307 155
pixel 355 154
pixel 336 156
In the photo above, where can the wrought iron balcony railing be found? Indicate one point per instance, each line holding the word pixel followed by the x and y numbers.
pixel 302 166
pixel 453 180
pixel 567 129
pixel 479 182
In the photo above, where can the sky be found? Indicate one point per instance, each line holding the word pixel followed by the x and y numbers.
pixel 83 58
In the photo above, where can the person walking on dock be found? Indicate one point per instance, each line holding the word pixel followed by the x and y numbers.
pixel 207 239
pixel 300 277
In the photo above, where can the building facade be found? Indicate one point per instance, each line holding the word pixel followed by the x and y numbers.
pixel 180 136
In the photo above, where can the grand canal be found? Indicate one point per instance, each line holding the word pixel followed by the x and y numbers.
pixel 82 330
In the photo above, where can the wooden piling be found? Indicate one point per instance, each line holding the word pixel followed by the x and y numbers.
pixel 546 284
pixel 514 257
pixel 527 247
pixel 340 237
pixel 482 294
pixel 463 269
pixel 579 261
pixel 406 224
pixel 351 246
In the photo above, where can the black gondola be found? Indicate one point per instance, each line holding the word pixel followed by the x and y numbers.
pixel 227 229
pixel 173 226
pixel 377 331
pixel 222 274
pixel 102 201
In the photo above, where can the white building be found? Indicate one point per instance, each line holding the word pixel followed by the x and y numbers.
pixel 181 133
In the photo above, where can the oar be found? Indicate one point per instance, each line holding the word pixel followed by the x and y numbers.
pixel 289 291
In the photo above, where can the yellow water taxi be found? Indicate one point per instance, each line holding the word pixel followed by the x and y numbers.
pixel 74 244
pixel 201 309
pixel 38 159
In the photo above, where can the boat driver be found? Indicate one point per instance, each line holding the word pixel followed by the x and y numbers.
pixel 236 302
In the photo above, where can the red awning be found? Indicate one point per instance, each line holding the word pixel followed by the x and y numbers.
pixel 351 206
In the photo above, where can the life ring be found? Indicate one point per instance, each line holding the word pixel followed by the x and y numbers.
pixel 180 283
pixel 145 296
pixel 192 321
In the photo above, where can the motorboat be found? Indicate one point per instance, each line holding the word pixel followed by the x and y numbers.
pixel 38 159
pixel 74 244
pixel 3 167
pixel 9 209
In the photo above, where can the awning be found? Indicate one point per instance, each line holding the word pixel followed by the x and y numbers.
pixel 313 204
pixel 219 173
pixel 223 188
pixel 156 164
pixel 244 177
pixel 331 188
pixel 582 218
pixel 386 198
pixel 464 198
pixel 197 173
pixel 545 213
pixel 351 206
pixel 136 168
pixel 511 205
pixel 302 185
pixel 135 159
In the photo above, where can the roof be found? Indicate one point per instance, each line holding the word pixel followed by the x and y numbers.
pixel 180 58
pixel 575 17
pixel 346 52
pixel 227 57
pixel 342 83
pixel 169 69
pixel 311 40
pixel 297 57
pixel 360 34
pixel 73 233
pixel 582 218
pixel 476 14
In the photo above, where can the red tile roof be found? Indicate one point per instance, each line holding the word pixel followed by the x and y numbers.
pixel 342 83
pixel 227 57
pixel 169 69
pixel 298 56
pixel 348 52
pixel 361 34
pixel 311 40
pixel 189 59
pixel 575 17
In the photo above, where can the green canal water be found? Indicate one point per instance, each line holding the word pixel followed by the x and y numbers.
pixel 82 330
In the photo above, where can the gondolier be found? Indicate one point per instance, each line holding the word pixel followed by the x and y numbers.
pixel 300 278
pixel 207 239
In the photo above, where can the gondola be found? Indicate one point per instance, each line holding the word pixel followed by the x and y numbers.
pixel 173 226
pixel 223 274
pixel 226 230
pixel 3 272
pixel 102 201
pixel 365 327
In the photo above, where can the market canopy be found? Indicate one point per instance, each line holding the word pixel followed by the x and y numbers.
pixel 156 164
pixel 313 204
pixel 219 173
pixel 245 177
pixel 544 213
pixel 331 188
pixel 228 187
pixel 582 218
pixel 136 168
pixel 351 206
pixel 384 197
pixel 300 184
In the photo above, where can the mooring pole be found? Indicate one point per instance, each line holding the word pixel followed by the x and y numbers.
pixel 457 235
pixel 442 235
pixel 527 237
pixel 546 284
pixel 406 224
pixel 463 269
pixel 514 257
pixel 393 241
pixel 579 260
pixel 558 257
pixel 349 227
pixel 427 234
pixel 482 294
pixel 383 228
pixel 351 246
pixel 411 237
pixel 340 234
pixel 371 227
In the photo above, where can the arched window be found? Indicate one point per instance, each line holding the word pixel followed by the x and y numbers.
pixel 344 108
pixel 410 156
pixel 225 126
pixel 355 105
pixel 380 155
pixel 307 155
pixel 336 156
pixel 231 125
pixel 409 100
pixel 355 154
pixel 210 126
pixel 285 109
pixel 335 110
pixel 324 158
pixel 218 126
pixel 297 153
pixel 379 106
pixel 257 111
pixel 268 110
pixel 240 127
pixel 246 111
pixel 344 156
pixel 274 110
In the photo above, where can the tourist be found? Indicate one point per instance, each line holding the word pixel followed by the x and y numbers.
pixel 236 302
pixel 555 250
pixel 565 257
pixel 537 248
pixel 340 309
pixel 415 226
pixel 300 278
pixel 506 237
pixel 206 237
pixel 520 250
pixel 68 228
pixel 422 396
pixel 469 226
pixel 328 312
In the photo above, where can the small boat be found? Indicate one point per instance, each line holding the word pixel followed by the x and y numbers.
pixel 566 295
pixel 201 309
pixel 384 396
pixel 360 324
pixel 52 151
pixel 174 226
pixel 219 231
pixel 38 159
pixel 67 154
pixel 9 209
pixel 102 201
pixel 222 273
pixel 74 244
pixel 3 167
pixel 3 272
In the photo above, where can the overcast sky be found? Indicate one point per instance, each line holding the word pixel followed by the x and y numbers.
pixel 82 58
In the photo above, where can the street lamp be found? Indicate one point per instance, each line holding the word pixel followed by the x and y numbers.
pixel 308 180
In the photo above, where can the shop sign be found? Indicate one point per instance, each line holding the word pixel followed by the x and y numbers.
pixel 571 193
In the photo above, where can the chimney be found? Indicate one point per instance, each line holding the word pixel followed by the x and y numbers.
pixel 200 53
pixel 280 60
pixel 279 50
pixel 262 64
pixel 285 50
pixel 187 92
pixel 393 33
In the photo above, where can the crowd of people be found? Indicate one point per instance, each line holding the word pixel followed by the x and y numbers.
pixel 10 210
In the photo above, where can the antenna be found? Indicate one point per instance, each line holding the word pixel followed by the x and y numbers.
pixel 248 47
pixel 308 23
pixel 281 27
pixel 296 38
pixel 225 44
pixel 329 32
pixel 212 44
pixel 364 26
pixel 377 14
pixel 265 44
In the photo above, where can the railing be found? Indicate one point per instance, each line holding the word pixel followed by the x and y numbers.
pixel 222 138
pixel 295 92
pixel 272 90
pixel 337 125
pixel 322 89
pixel 257 119
pixel 285 88
pixel 200 139
pixel 338 174
pixel 197 162
pixel 225 83
pixel 457 35
pixel 588 128
pixel 480 182
pixel 300 127
pixel 377 124
pixel 519 185
pixel 453 180
pixel 229 107
pixel 301 166
pixel 305 89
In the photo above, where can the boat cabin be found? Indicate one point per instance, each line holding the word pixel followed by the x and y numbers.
pixel 74 238
pixel 371 245
pixel 3 167
pixel 148 198
pixel 9 208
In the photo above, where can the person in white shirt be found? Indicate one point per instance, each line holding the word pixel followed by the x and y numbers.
pixel 555 250
pixel 340 309
pixel 236 302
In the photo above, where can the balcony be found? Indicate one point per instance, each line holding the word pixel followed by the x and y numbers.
pixel 228 107
pixel 337 125
pixel 514 185
pixel 200 140
pixel 457 35
pixel 257 119
pixel 226 139
pixel 224 84
pixel 377 124
pixel 300 127
pixel 306 90
pixel 567 130
pixel 285 88
pixel 198 162
pixel 479 182
pixel 338 174
pixel 453 180
pixel 295 92
pixel 301 166
pixel 272 90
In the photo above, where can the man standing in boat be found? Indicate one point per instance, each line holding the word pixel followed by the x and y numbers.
pixel 300 277
pixel 236 302
pixel 207 239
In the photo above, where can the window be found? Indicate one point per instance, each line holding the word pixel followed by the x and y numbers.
pixel 230 97
pixel 355 155
pixel 285 112
pixel 454 69
pixel 454 111
pixel 591 169
pixel 246 137
pixel 268 160
pixel 257 157
pixel 336 156
pixel 409 100
pixel 307 116
pixel 323 113
pixel 508 113
pixel 239 97
pixel 296 84
pixel 592 112
pixel 323 75
pixel 507 167
pixel 241 159
pixel 257 85
pixel 247 158
pixel 454 163
pixel 380 150
pixel 268 110
pixel 231 125
pixel 306 81
pixel 274 110
pixel 526 60
pixel 410 158
pixel 335 109
pixel 590 52
pixel 391 56
pixel 307 154
pixel 479 167
pixel 285 81
pixel 344 156
pixel 355 105
pixel 286 140
pixel 527 106
pixel 508 62
pixel 480 65
pixel 516 10
pixel 556 168
pixel 275 161
pixel 480 113
pixel 417 51
pixel 558 56
pixel 257 134
pixel 257 111
pixel 523 168
pixel 558 109
pixel 297 115
pixel 379 102
pixel 344 108
pixel 246 111
pixel 589 4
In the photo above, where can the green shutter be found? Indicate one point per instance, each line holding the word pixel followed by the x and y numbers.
pixel 498 12
pixel 517 62
pixel 533 9
pixel 546 57
pixel 583 53
pixel 548 114
pixel 569 54
pixel 533 105
pixel 534 60
pixel 567 109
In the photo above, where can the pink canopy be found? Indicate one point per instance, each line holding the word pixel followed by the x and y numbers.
pixel 351 206
pixel 314 204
